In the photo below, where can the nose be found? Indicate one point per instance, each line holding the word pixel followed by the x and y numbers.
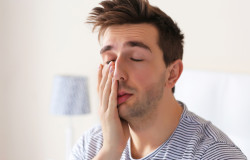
pixel 120 72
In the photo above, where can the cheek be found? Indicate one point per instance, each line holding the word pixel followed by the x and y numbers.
pixel 147 76
pixel 143 78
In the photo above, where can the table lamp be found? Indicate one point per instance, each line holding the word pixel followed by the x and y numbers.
pixel 69 97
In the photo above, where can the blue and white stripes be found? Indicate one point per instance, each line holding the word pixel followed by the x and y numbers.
pixel 194 138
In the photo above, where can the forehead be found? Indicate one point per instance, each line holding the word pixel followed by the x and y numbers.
pixel 130 32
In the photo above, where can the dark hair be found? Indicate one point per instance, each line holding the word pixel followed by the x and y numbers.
pixel 118 12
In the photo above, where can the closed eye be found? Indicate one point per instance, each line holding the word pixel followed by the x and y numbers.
pixel 136 60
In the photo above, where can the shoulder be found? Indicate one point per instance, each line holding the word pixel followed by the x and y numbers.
pixel 88 145
pixel 205 130
pixel 223 150
pixel 209 142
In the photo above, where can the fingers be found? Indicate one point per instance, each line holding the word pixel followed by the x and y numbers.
pixel 113 96
pixel 107 88
pixel 104 76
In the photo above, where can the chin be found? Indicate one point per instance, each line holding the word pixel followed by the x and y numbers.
pixel 122 109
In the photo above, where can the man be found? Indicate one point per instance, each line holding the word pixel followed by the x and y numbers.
pixel 142 52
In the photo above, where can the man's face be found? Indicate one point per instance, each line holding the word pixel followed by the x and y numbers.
pixel 139 67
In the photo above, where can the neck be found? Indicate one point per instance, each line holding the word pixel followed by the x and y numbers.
pixel 149 132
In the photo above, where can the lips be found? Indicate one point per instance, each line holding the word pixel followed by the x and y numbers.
pixel 123 97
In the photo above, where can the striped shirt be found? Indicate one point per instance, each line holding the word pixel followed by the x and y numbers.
pixel 194 138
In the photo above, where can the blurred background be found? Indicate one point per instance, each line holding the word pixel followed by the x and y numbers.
pixel 41 39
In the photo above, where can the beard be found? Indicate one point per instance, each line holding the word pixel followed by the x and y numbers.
pixel 144 105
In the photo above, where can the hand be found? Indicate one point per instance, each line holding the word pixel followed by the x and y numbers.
pixel 115 131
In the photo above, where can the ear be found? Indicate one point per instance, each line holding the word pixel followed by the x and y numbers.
pixel 175 69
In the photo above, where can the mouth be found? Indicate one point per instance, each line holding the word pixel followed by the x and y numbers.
pixel 123 97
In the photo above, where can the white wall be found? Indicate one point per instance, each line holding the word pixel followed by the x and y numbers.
pixel 39 39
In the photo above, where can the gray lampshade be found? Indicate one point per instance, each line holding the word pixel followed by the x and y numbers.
pixel 70 96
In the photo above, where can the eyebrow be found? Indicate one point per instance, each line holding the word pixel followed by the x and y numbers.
pixel 129 44
pixel 106 48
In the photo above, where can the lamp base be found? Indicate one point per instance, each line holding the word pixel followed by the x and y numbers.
pixel 69 135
